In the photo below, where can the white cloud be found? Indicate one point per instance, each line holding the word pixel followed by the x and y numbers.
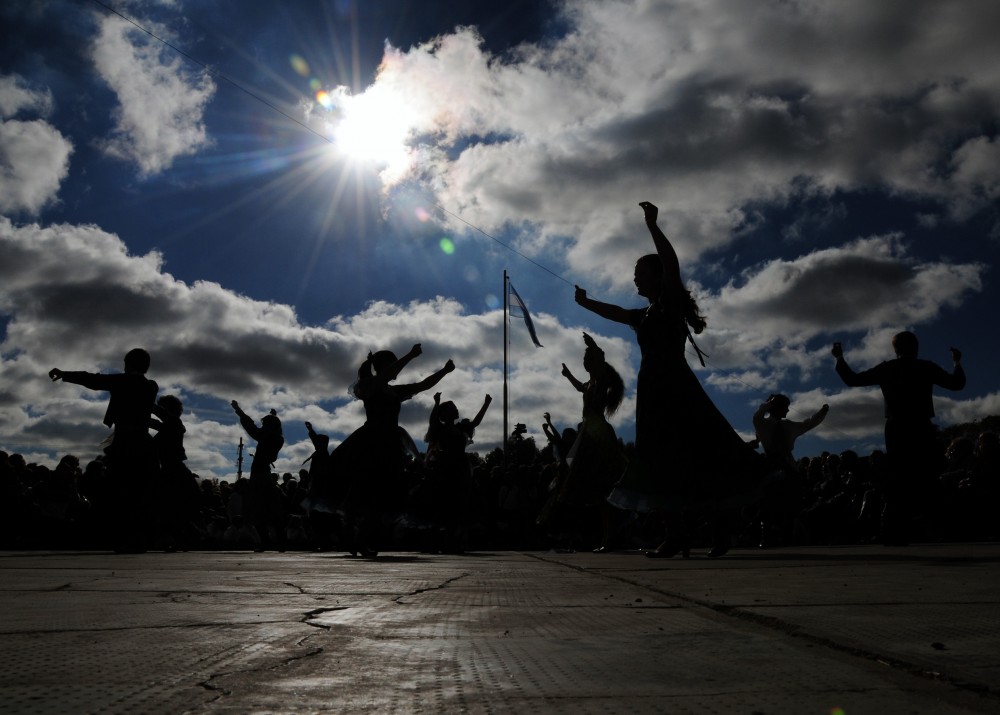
pixel 34 155
pixel 867 285
pixel 34 159
pixel 161 103
pixel 16 96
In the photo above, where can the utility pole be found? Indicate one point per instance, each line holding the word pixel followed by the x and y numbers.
pixel 239 460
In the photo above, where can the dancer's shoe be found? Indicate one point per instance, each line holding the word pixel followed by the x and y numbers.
pixel 668 550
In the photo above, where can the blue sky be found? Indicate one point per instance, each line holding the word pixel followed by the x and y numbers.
pixel 291 185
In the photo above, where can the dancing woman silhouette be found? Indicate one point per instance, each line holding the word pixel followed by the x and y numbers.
pixel 687 456
pixel 445 494
pixel 596 459
pixel 373 457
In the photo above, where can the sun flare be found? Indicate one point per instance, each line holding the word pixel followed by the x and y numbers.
pixel 374 128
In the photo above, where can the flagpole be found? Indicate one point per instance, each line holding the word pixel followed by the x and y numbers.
pixel 505 325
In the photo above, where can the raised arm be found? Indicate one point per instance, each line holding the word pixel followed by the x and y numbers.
pixel 955 380
pixel 246 422
pixel 429 381
pixel 811 422
pixel 664 249
pixel 550 429
pixel 482 411
pixel 432 418
pixel 850 378
pixel 573 381
pixel 392 372
pixel 605 310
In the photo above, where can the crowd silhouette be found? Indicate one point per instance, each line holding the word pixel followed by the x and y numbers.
pixel 688 480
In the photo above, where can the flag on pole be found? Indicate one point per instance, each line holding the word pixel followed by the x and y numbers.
pixel 516 302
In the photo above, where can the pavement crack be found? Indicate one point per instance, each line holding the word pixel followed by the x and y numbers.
pixel 310 615
pixel 443 584
pixel 220 692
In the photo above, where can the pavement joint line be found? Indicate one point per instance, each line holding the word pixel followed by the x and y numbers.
pixel 160 627
pixel 781 626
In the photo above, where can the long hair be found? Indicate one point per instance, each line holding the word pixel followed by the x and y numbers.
pixel 614 390
pixel 611 383
pixel 695 320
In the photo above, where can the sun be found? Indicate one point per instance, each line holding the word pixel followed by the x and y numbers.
pixel 374 127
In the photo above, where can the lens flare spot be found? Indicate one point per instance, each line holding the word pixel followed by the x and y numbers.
pixel 324 99
pixel 299 64
pixel 492 302
pixel 422 214
pixel 837 711
pixel 447 246
pixel 471 274
pixel 315 85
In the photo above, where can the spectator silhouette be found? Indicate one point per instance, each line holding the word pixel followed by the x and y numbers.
pixel 131 460
pixel 687 456
pixel 262 506
pixel 907 385
pixel 373 456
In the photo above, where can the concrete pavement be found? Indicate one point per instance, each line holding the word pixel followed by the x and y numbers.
pixel 824 630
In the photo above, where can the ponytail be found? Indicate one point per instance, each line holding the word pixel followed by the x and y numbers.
pixel 692 315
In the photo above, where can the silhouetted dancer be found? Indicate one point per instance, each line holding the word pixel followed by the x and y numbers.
pixel 560 443
pixel 373 457
pixel 445 494
pixel 596 460
pixel 907 385
pixel 177 491
pixel 687 456
pixel 776 435
pixel 326 493
pixel 131 460
pixel 263 507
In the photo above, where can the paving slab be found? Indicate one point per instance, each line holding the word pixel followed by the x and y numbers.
pixel 846 630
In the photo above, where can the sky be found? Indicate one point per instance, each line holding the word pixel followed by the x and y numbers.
pixel 261 193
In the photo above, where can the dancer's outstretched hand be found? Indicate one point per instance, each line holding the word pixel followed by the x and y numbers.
pixel 580 295
pixel 650 211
